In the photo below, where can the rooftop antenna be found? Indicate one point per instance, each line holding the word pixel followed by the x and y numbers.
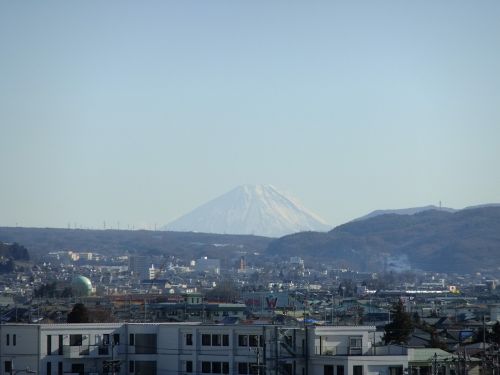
pixel 104 225
pixel 439 204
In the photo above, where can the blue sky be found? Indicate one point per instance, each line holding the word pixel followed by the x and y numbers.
pixel 139 111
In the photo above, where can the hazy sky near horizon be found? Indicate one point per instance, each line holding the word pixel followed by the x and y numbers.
pixel 137 112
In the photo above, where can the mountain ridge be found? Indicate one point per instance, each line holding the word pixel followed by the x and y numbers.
pixel 250 209
pixel 415 210
pixel 464 241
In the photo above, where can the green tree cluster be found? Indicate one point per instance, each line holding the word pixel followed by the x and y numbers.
pixel 225 291
pixel 79 314
pixel 398 331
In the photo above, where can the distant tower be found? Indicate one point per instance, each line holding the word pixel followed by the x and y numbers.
pixel 242 263
pixel 439 204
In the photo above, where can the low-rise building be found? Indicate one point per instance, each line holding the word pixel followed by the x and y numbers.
pixel 195 348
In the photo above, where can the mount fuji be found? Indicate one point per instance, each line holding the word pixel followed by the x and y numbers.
pixel 250 209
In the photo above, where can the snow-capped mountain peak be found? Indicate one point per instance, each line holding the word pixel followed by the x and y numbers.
pixel 250 209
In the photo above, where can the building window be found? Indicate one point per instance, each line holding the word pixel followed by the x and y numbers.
pixel 7 339
pixel 210 340
pixel 340 370
pixel 243 368
pixel 14 339
pixel 60 368
pixel 216 367
pixel 396 370
pixel 205 340
pixel 131 339
pixel 216 340
pixel 356 342
pixel 75 340
pixel 213 367
pixel 60 348
pixel 78 368
pixel 105 339
pixel 355 345
pixel 242 340
pixel 328 370
pixel 189 366
pixel 247 368
pixel 131 366
pixel 206 367
pixel 49 344
pixel 116 339
pixel 49 368
pixel 8 366
pixel 145 367
pixel 189 339
pixel 253 340
pixel 357 370
pixel 145 343
pixel 250 340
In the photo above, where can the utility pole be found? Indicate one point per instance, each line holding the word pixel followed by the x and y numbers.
pixel 484 347
pixel 258 361
pixel 258 354
pixel 112 366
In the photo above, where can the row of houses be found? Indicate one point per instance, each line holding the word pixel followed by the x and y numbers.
pixel 196 348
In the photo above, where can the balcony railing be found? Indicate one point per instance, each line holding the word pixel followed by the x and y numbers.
pixel 87 351
pixel 360 351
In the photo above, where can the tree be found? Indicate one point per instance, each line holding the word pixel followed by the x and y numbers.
pixel 400 328
pixel 416 318
pixel 495 334
pixel 79 314
pixel 225 291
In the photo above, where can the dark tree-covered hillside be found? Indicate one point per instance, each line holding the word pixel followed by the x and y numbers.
pixel 13 251
pixel 464 241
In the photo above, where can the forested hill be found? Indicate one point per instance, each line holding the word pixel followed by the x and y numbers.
pixel 13 251
pixel 41 241
pixel 464 241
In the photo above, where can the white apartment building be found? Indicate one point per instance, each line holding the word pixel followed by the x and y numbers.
pixel 194 348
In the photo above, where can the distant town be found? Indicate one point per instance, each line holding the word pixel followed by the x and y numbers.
pixel 246 313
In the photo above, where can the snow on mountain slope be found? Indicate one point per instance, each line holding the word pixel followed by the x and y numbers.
pixel 250 209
